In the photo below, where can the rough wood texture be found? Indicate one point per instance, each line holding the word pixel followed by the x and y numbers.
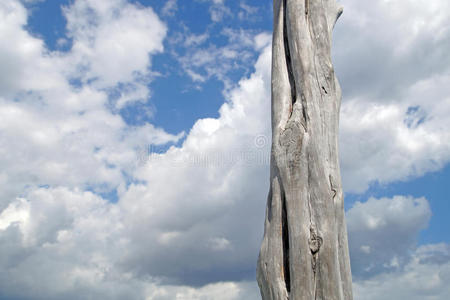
pixel 304 253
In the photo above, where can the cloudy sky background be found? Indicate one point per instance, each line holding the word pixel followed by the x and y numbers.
pixel 134 141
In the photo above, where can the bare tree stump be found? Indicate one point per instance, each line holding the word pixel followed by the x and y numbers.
pixel 304 254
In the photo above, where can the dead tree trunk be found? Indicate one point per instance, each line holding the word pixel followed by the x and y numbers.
pixel 304 253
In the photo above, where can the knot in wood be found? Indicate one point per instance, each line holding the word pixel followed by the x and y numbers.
pixel 315 241
pixel 314 244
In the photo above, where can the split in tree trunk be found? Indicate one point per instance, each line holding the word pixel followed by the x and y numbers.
pixel 304 254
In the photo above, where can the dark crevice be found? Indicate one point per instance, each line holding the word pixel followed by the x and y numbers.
pixel 304 114
pixel 333 189
pixel 284 218
pixel 287 54
pixel 338 15
pixel 290 69
pixel 285 241
pixel 269 205
pixel 323 88
pixel 315 242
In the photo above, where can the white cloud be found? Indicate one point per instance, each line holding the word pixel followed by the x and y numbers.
pixel 193 215
pixel 170 8
pixel 392 45
pixel 61 141
pixel 21 51
pixel 201 59
pixel 262 40
pixel 60 240
pixel 115 49
pixel 218 10
pixel 56 134
pixel 195 39
pixel 393 67
pixel 16 213
pixel 387 142
pixel 247 12
pixel 77 239
pixel 207 171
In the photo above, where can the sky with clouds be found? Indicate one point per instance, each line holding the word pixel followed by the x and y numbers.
pixel 134 141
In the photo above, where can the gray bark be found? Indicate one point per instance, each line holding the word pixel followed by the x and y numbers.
pixel 304 254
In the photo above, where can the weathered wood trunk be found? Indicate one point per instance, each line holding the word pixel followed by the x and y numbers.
pixel 304 253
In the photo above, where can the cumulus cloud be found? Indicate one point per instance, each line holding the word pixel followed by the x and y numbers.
pixel 64 147
pixel 395 142
pixel 76 239
pixel 54 133
pixel 188 222
pixel 392 45
pixel 206 216
pixel 113 52
pixel 391 61
pixel 59 238
pixel 22 51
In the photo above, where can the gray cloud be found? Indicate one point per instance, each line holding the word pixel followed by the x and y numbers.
pixel 425 276
pixel 382 233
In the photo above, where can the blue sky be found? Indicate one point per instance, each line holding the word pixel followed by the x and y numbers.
pixel 135 136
